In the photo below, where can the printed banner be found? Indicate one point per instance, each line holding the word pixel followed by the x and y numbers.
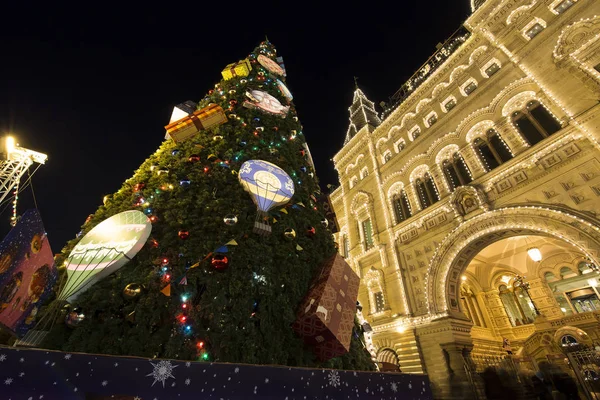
pixel 27 273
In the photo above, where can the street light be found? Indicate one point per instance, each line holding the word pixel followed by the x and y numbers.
pixel 520 282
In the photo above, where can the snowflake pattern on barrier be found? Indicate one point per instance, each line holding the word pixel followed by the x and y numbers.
pixel 163 370
pixel 394 387
pixel 334 378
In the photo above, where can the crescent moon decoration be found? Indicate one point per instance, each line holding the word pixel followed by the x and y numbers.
pixel 269 186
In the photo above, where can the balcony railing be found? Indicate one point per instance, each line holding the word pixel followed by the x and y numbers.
pixel 442 54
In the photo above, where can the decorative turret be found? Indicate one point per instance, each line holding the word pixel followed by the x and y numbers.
pixel 362 113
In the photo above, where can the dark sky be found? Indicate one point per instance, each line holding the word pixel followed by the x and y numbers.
pixel 93 88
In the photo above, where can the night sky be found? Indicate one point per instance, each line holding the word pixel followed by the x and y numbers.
pixel 94 88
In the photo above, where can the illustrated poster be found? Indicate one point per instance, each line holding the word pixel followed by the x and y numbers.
pixel 27 273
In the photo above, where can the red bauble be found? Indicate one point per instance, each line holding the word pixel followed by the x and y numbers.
pixel 310 231
pixel 233 102
pixel 302 152
pixel 184 234
pixel 219 262
pixel 138 186
pixel 194 158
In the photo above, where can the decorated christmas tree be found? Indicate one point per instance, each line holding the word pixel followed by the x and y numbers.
pixel 239 232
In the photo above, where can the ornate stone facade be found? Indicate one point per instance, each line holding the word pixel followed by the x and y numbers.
pixel 500 139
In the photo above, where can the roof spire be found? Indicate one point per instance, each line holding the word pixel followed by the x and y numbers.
pixel 362 113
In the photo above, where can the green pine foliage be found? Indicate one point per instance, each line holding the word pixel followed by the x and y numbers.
pixel 243 313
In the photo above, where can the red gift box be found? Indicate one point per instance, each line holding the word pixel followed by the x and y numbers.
pixel 326 316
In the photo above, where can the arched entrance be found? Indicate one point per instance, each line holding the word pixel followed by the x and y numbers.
pixel 460 246
pixel 388 360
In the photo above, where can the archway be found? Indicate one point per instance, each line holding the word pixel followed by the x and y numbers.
pixel 388 360
pixel 460 246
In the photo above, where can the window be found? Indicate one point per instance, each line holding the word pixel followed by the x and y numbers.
pixel 415 133
pixel 345 246
pixel 401 207
pixel 400 145
pixel 518 305
pixel 387 156
pixel 535 122
pixel 470 88
pixel 534 30
pixel 456 172
pixel 568 341
pixel 426 190
pixel 492 150
pixel 379 302
pixel 563 6
pixel 450 104
pixel 368 234
pixel 432 119
pixel 492 69
pixel 364 173
pixel 584 300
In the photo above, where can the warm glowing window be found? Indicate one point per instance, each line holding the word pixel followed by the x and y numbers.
pixel 367 227
pixel 401 206
pixel 432 119
pixel 535 122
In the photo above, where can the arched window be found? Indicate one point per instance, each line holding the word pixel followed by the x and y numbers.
pixel 401 206
pixel 535 123
pixel 518 305
pixel 456 171
pixel 426 191
pixel 492 150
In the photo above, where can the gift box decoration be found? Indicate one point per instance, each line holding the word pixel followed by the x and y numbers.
pixel 233 70
pixel 326 316
pixel 199 120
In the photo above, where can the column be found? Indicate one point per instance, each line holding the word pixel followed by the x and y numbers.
pixel 415 204
pixel 511 136
pixel 500 322
pixel 440 180
pixel 544 300
pixel 473 162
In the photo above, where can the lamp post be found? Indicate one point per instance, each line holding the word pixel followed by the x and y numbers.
pixel 520 282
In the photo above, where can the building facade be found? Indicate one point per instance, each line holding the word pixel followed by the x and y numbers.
pixel 470 207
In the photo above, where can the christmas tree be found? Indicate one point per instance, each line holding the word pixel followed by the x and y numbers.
pixel 208 285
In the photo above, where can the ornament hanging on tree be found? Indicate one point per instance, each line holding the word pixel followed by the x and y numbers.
pixel 183 234
pixel 269 185
pixel 310 231
pixel 138 186
pixel 289 234
pixel 219 262
pixel 132 291
pixel 194 158
pixel 174 152
pixel 284 90
pixel 74 317
pixel 270 65
pixel 230 219
pixel 185 182
pixel 324 222
pixel 265 102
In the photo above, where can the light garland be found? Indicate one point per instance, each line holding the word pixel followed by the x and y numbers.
pixel 518 12
pixel 13 217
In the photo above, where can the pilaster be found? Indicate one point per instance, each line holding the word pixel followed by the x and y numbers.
pixel 472 160
pixel 513 139
pixel 500 321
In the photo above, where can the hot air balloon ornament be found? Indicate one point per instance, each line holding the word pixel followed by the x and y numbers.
pixel 269 186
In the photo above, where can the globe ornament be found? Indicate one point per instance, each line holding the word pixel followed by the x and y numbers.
pixel 289 234
pixel 194 158
pixel 230 219
pixel 132 290
pixel 183 234
pixel 324 222
pixel 219 262
pixel 185 182
pixel 175 152
pixel 74 318
pixel 311 231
